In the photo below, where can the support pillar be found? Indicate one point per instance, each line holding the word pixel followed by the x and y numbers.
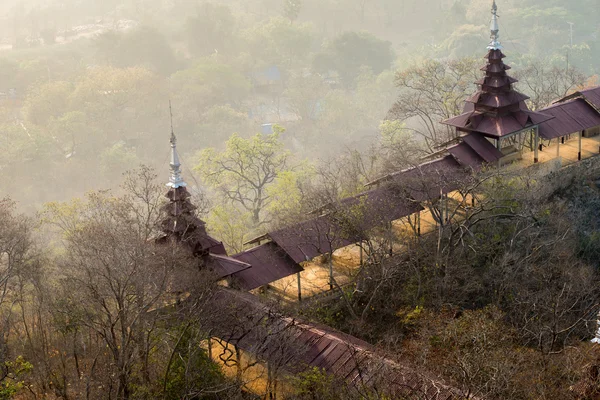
pixel 557 147
pixel 331 270
pixel 391 239
pixel 447 208
pixel 441 208
pixel 360 250
pixel 531 140
pixel 419 223
pixel 580 137
pixel 536 147
pixel 299 287
pixel 499 147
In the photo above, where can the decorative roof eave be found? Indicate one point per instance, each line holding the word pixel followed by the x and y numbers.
pixel 497 100
pixel 496 127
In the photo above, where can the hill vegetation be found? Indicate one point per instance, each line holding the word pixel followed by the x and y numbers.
pixel 280 107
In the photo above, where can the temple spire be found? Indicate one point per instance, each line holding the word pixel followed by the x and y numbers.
pixel 175 180
pixel 494 29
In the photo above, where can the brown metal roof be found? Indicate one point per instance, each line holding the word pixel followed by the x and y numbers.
pixel 225 266
pixel 474 121
pixel 343 224
pixel 291 345
pixel 379 206
pixel 483 147
pixel 500 99
pixel 569 117
pixel 182 224
pixel 424 182
pixel 464 154
pixel 306 240
pixel 269 264
pixel 498 110
pixel 592 96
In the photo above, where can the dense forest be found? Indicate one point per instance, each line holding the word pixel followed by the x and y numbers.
pixel 280 107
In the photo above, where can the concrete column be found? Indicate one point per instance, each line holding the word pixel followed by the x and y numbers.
pixel 419 223
pixel 557 147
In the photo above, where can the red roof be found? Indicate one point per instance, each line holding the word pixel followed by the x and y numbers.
pixel 269 264
pixel 570 117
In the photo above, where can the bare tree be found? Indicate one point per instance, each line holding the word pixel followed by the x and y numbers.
pixel 544 84
pixel 430 93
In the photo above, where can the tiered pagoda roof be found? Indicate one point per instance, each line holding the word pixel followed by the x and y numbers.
pixel 496 109
pixel 248 270
pixel 182 224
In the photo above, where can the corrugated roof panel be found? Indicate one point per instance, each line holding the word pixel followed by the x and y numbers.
pixel 483 147
pixel 306 240
pixel 570 117
pixel 269 263
pixel 225 266
pixel 464 154
pixel 255 328
pixel 425 181
pixel 593 96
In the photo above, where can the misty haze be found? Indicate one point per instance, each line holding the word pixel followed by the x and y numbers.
pixel 299 199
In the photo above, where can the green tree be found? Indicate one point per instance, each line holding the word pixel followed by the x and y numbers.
pixel 121 103
pixel 207 84
pixel 291 9
pixel 277 42
pixel 245 170
pixel 142 47
pixel 350 51
pixel 304 94
pixel 210 30
pixel 12 374
pixel 230 224
pixel 46 101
